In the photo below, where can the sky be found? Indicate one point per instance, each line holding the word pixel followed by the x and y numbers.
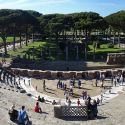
pixel 103 7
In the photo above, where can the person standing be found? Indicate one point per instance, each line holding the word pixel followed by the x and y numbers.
pixel 78 102
pixel 96 82
pixel 94 108
pixel 79 84
pixel 69 102
pixel 44 85
pixel 24 81
pixel 101 98
pixel 29 81
pixel 89 108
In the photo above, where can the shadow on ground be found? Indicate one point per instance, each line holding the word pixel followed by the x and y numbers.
pixel 81 118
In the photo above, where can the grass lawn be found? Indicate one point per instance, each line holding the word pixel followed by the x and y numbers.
pixel 42 46
pixel 103 50
pixel 9 39
pixel 36 52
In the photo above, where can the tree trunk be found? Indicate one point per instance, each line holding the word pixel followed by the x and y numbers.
pixel 119 40
pixel 86 41
pixel 26 39
pixel 32 37
pixel 5 44
pixel 20 41
pixel 77 53
pixel 66 49
pixel 114 39
pixel 57 35
pixel 73 36
pixel 14 38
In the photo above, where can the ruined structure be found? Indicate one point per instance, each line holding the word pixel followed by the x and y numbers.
pixel 116 58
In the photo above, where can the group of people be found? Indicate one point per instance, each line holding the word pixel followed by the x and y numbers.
pixel 92 109
pixel 91 106
pixel 20 116
pixel 118 79
pixel 61 85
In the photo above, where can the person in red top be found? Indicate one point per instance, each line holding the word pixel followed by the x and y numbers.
pixel 37 108
pixel 78 102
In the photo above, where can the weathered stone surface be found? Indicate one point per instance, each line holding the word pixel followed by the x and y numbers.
pixel 16 71
pixel 114 72
pixel 103 72
pixel 79 75
pixel 108 73
pixel 85 75
pixel 116 58
pixel 36 74
pixel 59 74
pixel 97 74
pixel 24 73
pixel 72 74
pixel 47 74
pixel 66 75
pixel 30 73
pixel 91 74
pixel 53 74
pixel 42 74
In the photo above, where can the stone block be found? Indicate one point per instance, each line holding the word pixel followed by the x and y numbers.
pixel 30 73
pixel 114 72
pixel 72 74
pixel 36 74
pixel 97 74
pixel 24 73
pixel 54 75
pixel 42 74
pixel 108 73
pixel 47 74
pixel 91 75
pixel 79 75
pixel 59 74
pixel 66 75
pixel 16 71
pixel 84 75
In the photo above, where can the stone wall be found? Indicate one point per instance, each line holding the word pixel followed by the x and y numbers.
pixel 116 58
pixel 67 74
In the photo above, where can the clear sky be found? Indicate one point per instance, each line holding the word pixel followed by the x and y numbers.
pixel 103 7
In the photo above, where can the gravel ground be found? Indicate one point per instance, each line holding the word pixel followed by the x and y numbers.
pixel 87 85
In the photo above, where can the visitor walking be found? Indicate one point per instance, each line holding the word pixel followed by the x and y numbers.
pixel 44 85
pixel 78 102
pixel 94 108
pixel 69 102
pixel 79 84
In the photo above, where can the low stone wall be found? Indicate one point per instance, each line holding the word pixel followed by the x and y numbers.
pixel 116 58
pixel 67 74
